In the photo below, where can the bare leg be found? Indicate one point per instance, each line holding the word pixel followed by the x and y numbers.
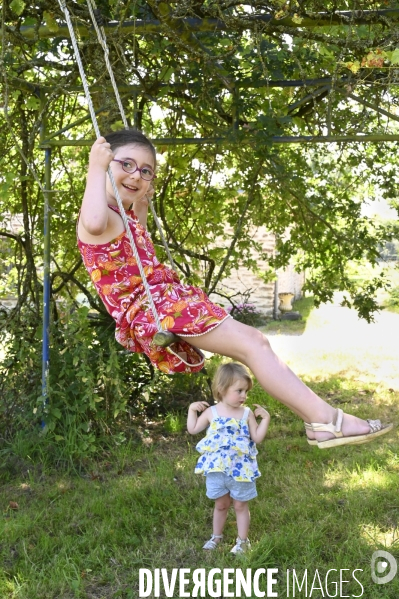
pixel 243 518
pixel 249 346
pixel 222 505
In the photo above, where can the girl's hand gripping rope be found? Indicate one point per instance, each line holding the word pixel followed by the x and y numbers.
pixel 100 154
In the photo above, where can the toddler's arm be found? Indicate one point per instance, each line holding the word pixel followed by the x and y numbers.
pixel 94 212
pixel 258 431
pixel 194 424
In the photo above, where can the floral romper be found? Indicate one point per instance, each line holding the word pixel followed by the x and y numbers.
pixel 182 309
pixel 228 448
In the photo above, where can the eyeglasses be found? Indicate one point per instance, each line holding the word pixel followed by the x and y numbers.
pixel 130 166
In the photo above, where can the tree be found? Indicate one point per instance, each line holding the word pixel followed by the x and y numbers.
pixel 245 77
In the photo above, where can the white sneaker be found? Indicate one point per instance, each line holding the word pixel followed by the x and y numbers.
pixel 241 546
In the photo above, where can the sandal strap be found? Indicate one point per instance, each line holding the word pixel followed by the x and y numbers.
pixel 339 416
pixel 334 427
pixel 211 543
pixel 375 425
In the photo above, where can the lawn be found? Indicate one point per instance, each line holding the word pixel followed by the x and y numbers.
pixel 304 306
pixel 85 532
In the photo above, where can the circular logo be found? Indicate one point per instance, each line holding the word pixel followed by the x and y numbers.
pixel 383 563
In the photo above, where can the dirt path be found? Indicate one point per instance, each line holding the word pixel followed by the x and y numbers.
pixel 337 341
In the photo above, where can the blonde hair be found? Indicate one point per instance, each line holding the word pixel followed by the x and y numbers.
pixel 226 375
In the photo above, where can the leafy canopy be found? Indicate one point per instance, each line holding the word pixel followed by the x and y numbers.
pixel 249 75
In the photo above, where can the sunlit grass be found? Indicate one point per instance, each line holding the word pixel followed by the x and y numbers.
pixel 373 535
pixel 304 306
pixel 337 343
pixel 369 478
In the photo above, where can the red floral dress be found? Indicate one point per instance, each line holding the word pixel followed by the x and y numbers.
pixel 182 309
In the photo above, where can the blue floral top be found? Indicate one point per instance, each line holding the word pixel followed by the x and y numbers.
pixel 228 448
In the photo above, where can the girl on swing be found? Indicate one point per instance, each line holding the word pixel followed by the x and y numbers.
pixel 182 309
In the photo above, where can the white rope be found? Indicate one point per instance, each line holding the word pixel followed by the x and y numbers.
pixel 65 10
pixel 159 227
pixel 102 39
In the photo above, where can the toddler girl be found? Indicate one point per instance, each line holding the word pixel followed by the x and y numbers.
pixel 228 451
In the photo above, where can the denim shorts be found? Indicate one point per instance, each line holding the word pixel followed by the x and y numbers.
pixel 219 483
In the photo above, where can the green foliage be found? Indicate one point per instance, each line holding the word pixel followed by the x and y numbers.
pixel 205 85
pixel 175 423
pixel 17 6
pixel 97 392
pixel 248 314
pixel 20 375
pixel 394 298
pixel 87 391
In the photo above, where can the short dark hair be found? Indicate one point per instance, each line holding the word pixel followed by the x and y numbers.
pixel 125 137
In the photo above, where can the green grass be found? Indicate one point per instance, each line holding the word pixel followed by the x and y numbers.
pixel 304 306
pixel 86 534
pixel 85 531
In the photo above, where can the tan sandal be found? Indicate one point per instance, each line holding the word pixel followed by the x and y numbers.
pixel 376 430
pixel 308 427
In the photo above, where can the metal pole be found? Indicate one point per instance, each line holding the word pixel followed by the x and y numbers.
pixel 46 277
pixel 275 298
pixel 214 25
pixel 244 139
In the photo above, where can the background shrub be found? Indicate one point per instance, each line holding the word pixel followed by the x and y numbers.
pixel 248 314
pixel 97 391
